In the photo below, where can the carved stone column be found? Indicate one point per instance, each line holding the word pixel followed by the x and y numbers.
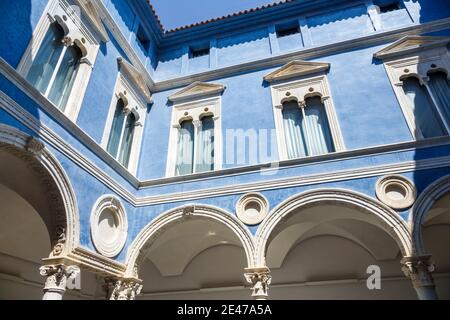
pixel 419 269
pixel 122 289
pixel 260 279
pixel 57 276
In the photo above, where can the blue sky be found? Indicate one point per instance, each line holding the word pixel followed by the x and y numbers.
pixel 176 13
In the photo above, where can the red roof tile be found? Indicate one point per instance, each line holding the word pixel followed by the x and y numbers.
pixel 196 24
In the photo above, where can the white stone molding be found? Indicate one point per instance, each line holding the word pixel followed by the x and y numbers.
pixel 56 280
pixel 135 101
pixel 415 56
pixel 64 227
pixel 78 33
pixel 259 278
pixel 419 269
pixel 396 191
pixel 193 103
pixel 295 69
pixel 141 245
pixel 89 8
pixel 135 77
pixel 197 90
pixel 389 221
pixel 423 204
pixel 112 205
pixel 299 91
pixel 411 44
pixel 122 288
pixel 252 208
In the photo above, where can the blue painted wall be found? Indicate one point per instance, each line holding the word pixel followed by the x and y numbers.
pixel 366 107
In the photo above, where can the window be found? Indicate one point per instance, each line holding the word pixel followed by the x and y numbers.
pixel 306 129
pixel 287 30
pixel 124 125
pixel 59 58
pixel 418 69
pixel 143 39
pixel 195 152
pixel 421 106
pixel 198 52
pixel 122 133
pixel 55 66
pixel 195 142
pixel 305 120
pixel 387 6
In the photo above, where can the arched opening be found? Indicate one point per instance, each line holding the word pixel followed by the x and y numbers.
pixel 195 256
pixel 38 214
pixel 435 235
pixel 320 246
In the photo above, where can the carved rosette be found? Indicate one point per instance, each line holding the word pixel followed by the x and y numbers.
pixel 260 280
pixel 57 276
pixel 122 289
pixel 419 269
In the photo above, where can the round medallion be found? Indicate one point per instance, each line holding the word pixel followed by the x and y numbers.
pixel 252 208
pixel 108 226
pixel 396 191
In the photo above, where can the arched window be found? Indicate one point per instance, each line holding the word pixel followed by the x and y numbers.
pixel 440 89
pixel 421 105
pixel 185 150
pixel 306 129
pixel 55 66
pixel 205 146
pixel 121 135
pixel 65 77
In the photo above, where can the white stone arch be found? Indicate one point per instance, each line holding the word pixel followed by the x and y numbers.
pixel 142 243
pixel 390 221
pixel 421 207
pixel 65 233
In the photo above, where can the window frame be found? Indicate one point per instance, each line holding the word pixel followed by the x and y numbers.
pixel 418 65
pixel 133 102
pixel 299 91
pixel 77 32
pixel 195 110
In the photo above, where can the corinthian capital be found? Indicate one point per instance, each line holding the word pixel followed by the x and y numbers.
pixel 419 269
pixel 260 280
pixel 57 276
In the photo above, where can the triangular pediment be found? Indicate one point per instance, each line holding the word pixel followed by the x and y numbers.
pixel 131 73
pixel 91 12
pixel 196 90
pixel 296 68
pixel 410 44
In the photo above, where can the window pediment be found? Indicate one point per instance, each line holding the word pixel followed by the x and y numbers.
pixel 90 11
pixel 296 68
pixel 130 72
pixel 197 90
pixel 411 44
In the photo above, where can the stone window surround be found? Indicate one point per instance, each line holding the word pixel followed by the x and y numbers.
pixel 134 103
pixel 418 65
pixel 77 33
pixel 196 110
pixel 299 91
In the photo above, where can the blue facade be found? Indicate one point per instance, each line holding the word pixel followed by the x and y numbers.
pixel 376 136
